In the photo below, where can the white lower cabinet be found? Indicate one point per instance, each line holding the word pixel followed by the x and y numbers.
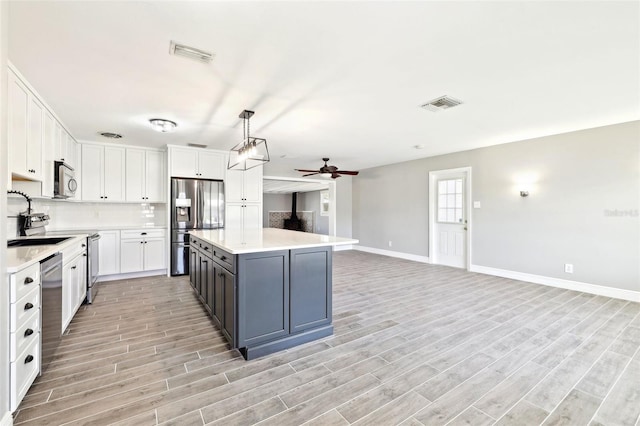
pixel 24 332
pixel 142 250
pixel 109 253
pixel 74 281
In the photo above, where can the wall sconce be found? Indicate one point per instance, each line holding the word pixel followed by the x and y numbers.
pixel 524 193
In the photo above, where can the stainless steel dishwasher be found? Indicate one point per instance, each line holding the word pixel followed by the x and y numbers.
pixel 51 314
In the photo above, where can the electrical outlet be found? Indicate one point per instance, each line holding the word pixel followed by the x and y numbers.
pixel 568 268
pixel 390 243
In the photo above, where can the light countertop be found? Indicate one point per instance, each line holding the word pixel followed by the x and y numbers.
pixel 21 257
pixel 239 241
pixel 106 228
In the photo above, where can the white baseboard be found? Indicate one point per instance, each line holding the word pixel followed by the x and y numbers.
pixel 7 419
pixel 616 293
pixel 407 256
pixel 343 247
pixel 131 275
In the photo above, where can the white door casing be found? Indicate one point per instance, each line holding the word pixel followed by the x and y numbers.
pixel 449 219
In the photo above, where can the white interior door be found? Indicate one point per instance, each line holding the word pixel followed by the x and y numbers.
pixel 451 220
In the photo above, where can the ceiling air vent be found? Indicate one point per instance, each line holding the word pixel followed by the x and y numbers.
pixel 196 145
pixel 441 103
pixel 111 135
pixel 178 49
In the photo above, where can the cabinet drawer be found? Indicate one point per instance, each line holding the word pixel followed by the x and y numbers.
pixel 23 372
pixel 224 258
pixel 21 310
pixel 205 248
pixel 141 233
pixel 24 335
pixel 24 281
pixel 71 252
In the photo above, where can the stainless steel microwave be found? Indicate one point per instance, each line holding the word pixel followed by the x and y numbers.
pixel 64 181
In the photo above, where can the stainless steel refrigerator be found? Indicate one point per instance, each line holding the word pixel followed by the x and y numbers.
pixel 195 204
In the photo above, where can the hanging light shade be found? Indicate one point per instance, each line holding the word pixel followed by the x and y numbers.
pixel 249 153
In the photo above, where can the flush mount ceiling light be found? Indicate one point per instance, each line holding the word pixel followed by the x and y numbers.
pixel 178 49
pixel 441 103
pixel 249 153
pixel 111 135
pixel 162 125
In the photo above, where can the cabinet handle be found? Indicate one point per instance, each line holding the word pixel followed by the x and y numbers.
pixel 28 306
pixel 223 258
pixel 106 196
pixel 84 245
pixel 28 359
pixel 143 233
pixel 84 254
pixel 62 159
pixel 206 248
pixel 74 267
pixel 28 332
pixel 28 280
pixel 141 242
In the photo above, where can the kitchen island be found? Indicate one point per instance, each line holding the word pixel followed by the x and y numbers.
pixel 267 289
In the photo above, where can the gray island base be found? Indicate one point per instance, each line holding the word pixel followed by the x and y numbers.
pixel 265 292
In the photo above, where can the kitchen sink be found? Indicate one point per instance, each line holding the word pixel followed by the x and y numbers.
pixel 27 242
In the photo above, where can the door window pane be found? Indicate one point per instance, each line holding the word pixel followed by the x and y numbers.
pixel 450 201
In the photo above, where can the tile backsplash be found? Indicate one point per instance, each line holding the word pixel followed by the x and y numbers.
pixel 75 215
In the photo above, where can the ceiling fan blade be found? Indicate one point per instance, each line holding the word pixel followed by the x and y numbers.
pixel 348 172
pixel 310 174
pixel 305 170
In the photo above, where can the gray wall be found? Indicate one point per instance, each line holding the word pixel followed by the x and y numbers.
pixel 274 203
pixel 310 201
pixel 582 177
pixel 344 207
pixel 4 294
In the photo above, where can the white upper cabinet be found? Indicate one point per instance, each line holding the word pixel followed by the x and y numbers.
pixel 244 186
pixel 197 163
pixel 103 173
pixel 25 130
pixel 243 196
pixel 145 179
pixel 35 135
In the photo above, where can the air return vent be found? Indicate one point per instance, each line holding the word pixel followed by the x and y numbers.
pixel 196 145
pixel 178 49
pixel 441 103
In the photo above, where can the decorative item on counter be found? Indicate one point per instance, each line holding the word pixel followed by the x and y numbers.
pixel 249 153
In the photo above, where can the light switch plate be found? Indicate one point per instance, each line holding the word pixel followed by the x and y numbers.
pixel 476 204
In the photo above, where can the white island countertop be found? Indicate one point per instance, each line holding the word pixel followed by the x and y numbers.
pixel 239 241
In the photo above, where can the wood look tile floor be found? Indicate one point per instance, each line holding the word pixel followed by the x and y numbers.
pixel 414 344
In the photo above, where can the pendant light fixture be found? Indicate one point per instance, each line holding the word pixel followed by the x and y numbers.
pixel 249 153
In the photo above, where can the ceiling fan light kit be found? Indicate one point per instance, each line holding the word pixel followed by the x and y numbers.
pixel 251 152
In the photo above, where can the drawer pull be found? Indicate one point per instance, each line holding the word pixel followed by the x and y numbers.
pixel 206 248
pixel 28 359
pixel 143 233
pixel 28 306
pixel 28 332
pixel 223 258
pixel 74 267
pixel 28 280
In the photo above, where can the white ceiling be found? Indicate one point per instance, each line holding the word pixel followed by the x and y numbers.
pixel 337 79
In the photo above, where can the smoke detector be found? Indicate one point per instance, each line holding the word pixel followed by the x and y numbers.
pixel 199 55
pixel 441 103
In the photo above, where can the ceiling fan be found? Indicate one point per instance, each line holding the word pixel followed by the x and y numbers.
pixel 328 171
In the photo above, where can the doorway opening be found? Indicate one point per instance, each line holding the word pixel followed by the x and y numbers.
pixel 450 218
pixel 315 205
